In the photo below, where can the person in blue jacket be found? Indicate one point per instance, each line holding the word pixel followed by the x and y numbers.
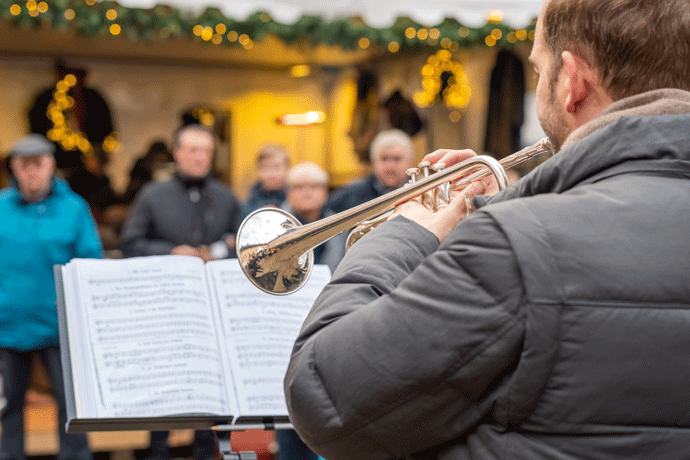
pixel 42 223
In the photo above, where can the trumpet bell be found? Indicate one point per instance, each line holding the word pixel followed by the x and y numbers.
pixel 268 264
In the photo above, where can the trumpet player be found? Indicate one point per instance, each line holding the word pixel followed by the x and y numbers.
pixel 550 320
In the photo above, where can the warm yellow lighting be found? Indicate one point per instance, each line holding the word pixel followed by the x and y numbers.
pixel 33 13
pixel 531 35
pixel 198 29
pixel 512 37
pixel 410 32
pixel 221 28
pixel 244 39
pixel 464 32
pixel 206 34
pixel 31 5
pixel 70 14
pixel 42 7
pixel 301 70
pixel 265 17
pixel 232 36
pixel 393 47
pixel 422 34
pixel 90 2
pixel 445 42
pixel 111 14
pixel 457 92
pixel 249 45
pixel 217 39
pixel 490 40
pixel 434 33
pixel 444 55
pixel 497 34
pixel 364 43
pixel 302 119
pixel 454 116
pixel 62 87
pixel 15 9
pixel 521 34
pixel 454 47
pixel 495 16
pixel 115 29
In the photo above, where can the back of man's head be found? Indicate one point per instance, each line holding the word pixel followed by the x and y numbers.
pixel 634 45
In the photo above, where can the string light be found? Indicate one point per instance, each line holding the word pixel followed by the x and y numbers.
pixel 62 132
pixel 457 91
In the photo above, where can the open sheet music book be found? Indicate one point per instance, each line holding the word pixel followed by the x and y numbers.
pixel 170 342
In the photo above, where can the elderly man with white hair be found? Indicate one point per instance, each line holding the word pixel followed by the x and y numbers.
pixel 391 155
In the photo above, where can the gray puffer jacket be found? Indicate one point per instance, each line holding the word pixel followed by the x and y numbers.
pixel 553 323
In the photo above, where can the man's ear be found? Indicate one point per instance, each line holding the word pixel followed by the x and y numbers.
pixel 580 80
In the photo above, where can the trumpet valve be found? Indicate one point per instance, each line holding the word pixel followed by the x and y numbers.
pixel 413 173
pixel 428 196
pixel 442 192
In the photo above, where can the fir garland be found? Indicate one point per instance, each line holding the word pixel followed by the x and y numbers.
pixel 97 18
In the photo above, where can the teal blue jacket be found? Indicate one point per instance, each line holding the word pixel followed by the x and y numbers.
pixel 33 238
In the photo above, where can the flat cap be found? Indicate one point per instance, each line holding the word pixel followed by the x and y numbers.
pixel 32 145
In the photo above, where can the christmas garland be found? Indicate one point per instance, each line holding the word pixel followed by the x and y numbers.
pixel 98 18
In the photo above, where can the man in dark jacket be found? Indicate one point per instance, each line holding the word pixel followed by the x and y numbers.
pixel 552 323
pixel 190 214
pixel 391 155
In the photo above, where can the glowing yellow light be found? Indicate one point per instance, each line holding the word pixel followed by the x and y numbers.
pixel 464 32
pixel 444 55
pixel 422 34
pixel 490 40
pixel 410 32
pixel 33 13
pixel 249 45
pixel 207 119
pixel 90 2
pixel 15 9
pixel 207 33
pixel 69 14
pixel 302 119
pixel 497 34
pixel 111 14
pixel 454 116
pixel 61 87
pixel 434 33
pixel 495 16
pixel 393 47
pixel 244 39
pixel 427 71
pixel 445 42
pixel 265 17
pixel 197 30
pixel 521 34
pixel 232 36
pixel 531 35
pixel 217 39
pixel 221 28
pixel 512 37
pixel 31 5
pixel 364 43
pixel 300 71
pixel 454 47
pixel 115 29
pixel 42 7
pixel 83 144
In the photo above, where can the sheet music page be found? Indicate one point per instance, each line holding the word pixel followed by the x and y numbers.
pixel 257 333
pixel 153 346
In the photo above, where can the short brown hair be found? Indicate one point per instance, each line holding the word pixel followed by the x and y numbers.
pixel 635 45
pixel 271 151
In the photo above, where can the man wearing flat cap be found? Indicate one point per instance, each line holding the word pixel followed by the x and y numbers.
pixel 42 223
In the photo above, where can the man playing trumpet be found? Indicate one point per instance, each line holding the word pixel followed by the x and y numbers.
pixel 552 322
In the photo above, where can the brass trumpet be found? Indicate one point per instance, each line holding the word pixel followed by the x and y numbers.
pixel 275 251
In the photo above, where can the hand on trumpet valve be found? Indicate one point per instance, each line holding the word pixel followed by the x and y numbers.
pixel 442 221
pixel 449 157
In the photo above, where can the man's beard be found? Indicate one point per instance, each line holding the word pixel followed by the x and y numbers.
pixel 553 120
